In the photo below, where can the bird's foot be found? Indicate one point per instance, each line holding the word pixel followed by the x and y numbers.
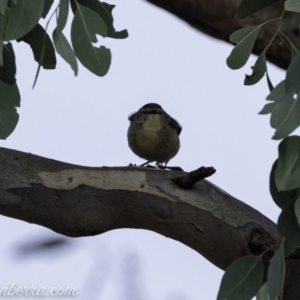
pixel 147 164
pixel 164 167
pixel 157 166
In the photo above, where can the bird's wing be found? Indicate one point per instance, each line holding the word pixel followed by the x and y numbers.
pixel 175 125
pixel 131 117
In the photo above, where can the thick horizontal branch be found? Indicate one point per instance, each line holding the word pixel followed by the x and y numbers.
pixel 81 201
pixel 216 18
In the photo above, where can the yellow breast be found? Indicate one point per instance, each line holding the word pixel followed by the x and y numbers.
pixel 152 140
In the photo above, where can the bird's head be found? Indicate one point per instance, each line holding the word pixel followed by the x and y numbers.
pixel 148 109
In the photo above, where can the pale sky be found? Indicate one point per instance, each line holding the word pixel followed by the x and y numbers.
pixel 83 120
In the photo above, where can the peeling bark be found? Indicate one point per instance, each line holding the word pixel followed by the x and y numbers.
pixel 82 201
pixel 216 18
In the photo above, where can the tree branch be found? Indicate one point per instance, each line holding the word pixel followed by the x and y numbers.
pixel 82 201
pixel 216 18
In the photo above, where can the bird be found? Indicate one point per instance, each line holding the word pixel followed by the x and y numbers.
pixel 153 135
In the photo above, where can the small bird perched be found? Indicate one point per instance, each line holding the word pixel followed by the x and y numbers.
pixel 153 134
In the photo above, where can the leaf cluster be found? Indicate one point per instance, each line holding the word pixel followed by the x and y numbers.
pixel 244 279
pixel 19 21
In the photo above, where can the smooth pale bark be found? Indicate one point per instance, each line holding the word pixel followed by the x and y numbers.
pixel 82 201
pixel 216 18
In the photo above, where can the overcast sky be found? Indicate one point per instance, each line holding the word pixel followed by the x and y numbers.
pixel 83 120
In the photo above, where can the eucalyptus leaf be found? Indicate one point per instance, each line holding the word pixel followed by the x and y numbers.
pixel 241 52
pixel 280 110
pixel 278 92
pixel 104 10
pixel 267 109
pixel 292 85
pixel 263 293
pixel 297 210
pixel 276 273
pixel 294 51
pixel 6 18
pixel 1 38
pixel 3 5
pixel 9 100
pixel 240 34
pixel 47 7
pixel 242 279
pixel 280 198
pixel 285 117
pixel 24 16
pixel 288 227
pixel 65 50
pixel 111 30
pixel 248 7
pixel 62 15
pixel 259 70
pixel 8 69
pixel 287 173
pixel 292 5
pixel 86 24
pixel 41 46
